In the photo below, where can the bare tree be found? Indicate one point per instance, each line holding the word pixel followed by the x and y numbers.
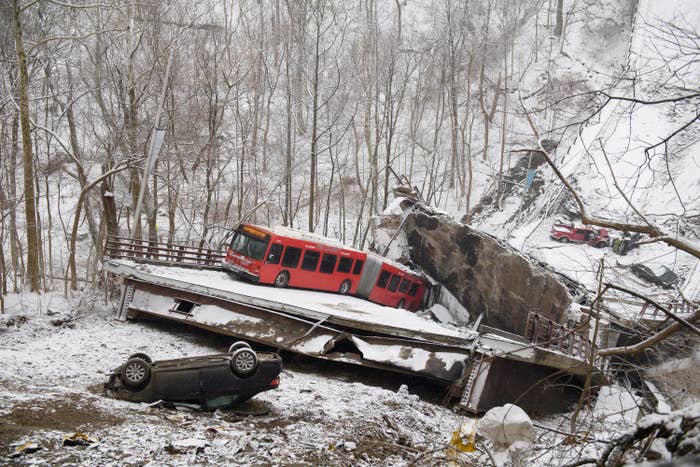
pixel 31 224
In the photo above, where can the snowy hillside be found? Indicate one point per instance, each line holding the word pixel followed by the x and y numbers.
pixel 636 159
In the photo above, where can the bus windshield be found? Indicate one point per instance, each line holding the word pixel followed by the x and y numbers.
pixel 248 246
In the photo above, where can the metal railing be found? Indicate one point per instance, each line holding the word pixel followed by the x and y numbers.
pixel 681 309
pixel 551 335
pixel 146 251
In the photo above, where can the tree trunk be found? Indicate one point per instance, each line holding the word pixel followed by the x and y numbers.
pixel 287 216
pixel 76 220
pixel 33 273
pixel 504 121
pixel 488 113
pixel 3 273
pixel 314 131
pixel 559 25
pixel 328 196
pixel 153 214
pixel 15 260
pixel 109 207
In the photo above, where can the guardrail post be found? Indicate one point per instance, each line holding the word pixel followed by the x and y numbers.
pixel 571 344
pixel 535 327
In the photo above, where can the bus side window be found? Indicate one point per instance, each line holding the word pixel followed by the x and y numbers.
pixel 394 283
pixel 404 285
pixel 275 254
pixel 328 264
pixel 291 257
pixel 310 260
pixel 383 279
pixel 358 267
pixel 413 289
pixel 345 265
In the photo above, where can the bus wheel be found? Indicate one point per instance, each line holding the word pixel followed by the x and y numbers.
pixel 344 287
pixel 282 280
pixel 402 302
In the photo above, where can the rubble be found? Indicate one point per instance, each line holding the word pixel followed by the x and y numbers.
pixel 25 448
pixel 79 439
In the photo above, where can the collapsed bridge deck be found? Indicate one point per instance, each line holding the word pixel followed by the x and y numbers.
pixel 341 328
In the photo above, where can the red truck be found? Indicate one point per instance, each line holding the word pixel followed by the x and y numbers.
pixel 566 232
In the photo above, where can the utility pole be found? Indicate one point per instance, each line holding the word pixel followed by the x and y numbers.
pixel 156 142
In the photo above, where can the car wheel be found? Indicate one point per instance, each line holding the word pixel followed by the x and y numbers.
pixel 135 373
pixel 601 244
pixel 244 362
pixel 344 287
pixel 564 240
pixel 142 356
pixel 238 345
pixel 282 280
pixel 401 304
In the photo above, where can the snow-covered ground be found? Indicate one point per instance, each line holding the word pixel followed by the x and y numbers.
pixel 56 355
pixel 50 385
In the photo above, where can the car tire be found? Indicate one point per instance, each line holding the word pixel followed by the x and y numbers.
pixel 142 356
pixel 401 304
pixel 601 244
pixel 345 287
pixel 238 345
pixel 244 362
pixel 282 280
pixel 564 240
pixel 135 373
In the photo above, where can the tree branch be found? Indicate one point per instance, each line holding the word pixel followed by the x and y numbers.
pixel 666 139
pixel 640 101
pixel 76 219
pixel 665 310
pixel 650 230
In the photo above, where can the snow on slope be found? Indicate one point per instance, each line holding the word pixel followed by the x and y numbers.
pixel 620 147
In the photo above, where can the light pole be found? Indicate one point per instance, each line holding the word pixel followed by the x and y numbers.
pixel 156 142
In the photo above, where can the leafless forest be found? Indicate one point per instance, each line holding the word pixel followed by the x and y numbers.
pixel 299 113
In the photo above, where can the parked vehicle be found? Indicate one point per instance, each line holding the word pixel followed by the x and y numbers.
pixel 565 232
pixel 659 275
pixel 622 245
pixel 290 258
pixel 211 381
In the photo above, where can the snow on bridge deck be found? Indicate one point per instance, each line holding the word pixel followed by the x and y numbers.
pixel 333 308
pixel 344 328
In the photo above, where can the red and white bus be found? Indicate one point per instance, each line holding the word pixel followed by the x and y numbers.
pixel 290 258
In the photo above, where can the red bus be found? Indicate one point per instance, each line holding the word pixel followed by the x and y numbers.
pixel 290 258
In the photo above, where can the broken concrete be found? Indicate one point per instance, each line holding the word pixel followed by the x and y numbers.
pixel 486 275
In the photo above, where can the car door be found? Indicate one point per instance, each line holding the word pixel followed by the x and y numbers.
pixel 580 235
pixel 177 384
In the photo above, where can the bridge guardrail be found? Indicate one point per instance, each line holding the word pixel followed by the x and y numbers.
pixel 147 251
pixel 549 334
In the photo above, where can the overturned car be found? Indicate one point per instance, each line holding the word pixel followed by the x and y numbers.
pixel 210 381
pixel 656 274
